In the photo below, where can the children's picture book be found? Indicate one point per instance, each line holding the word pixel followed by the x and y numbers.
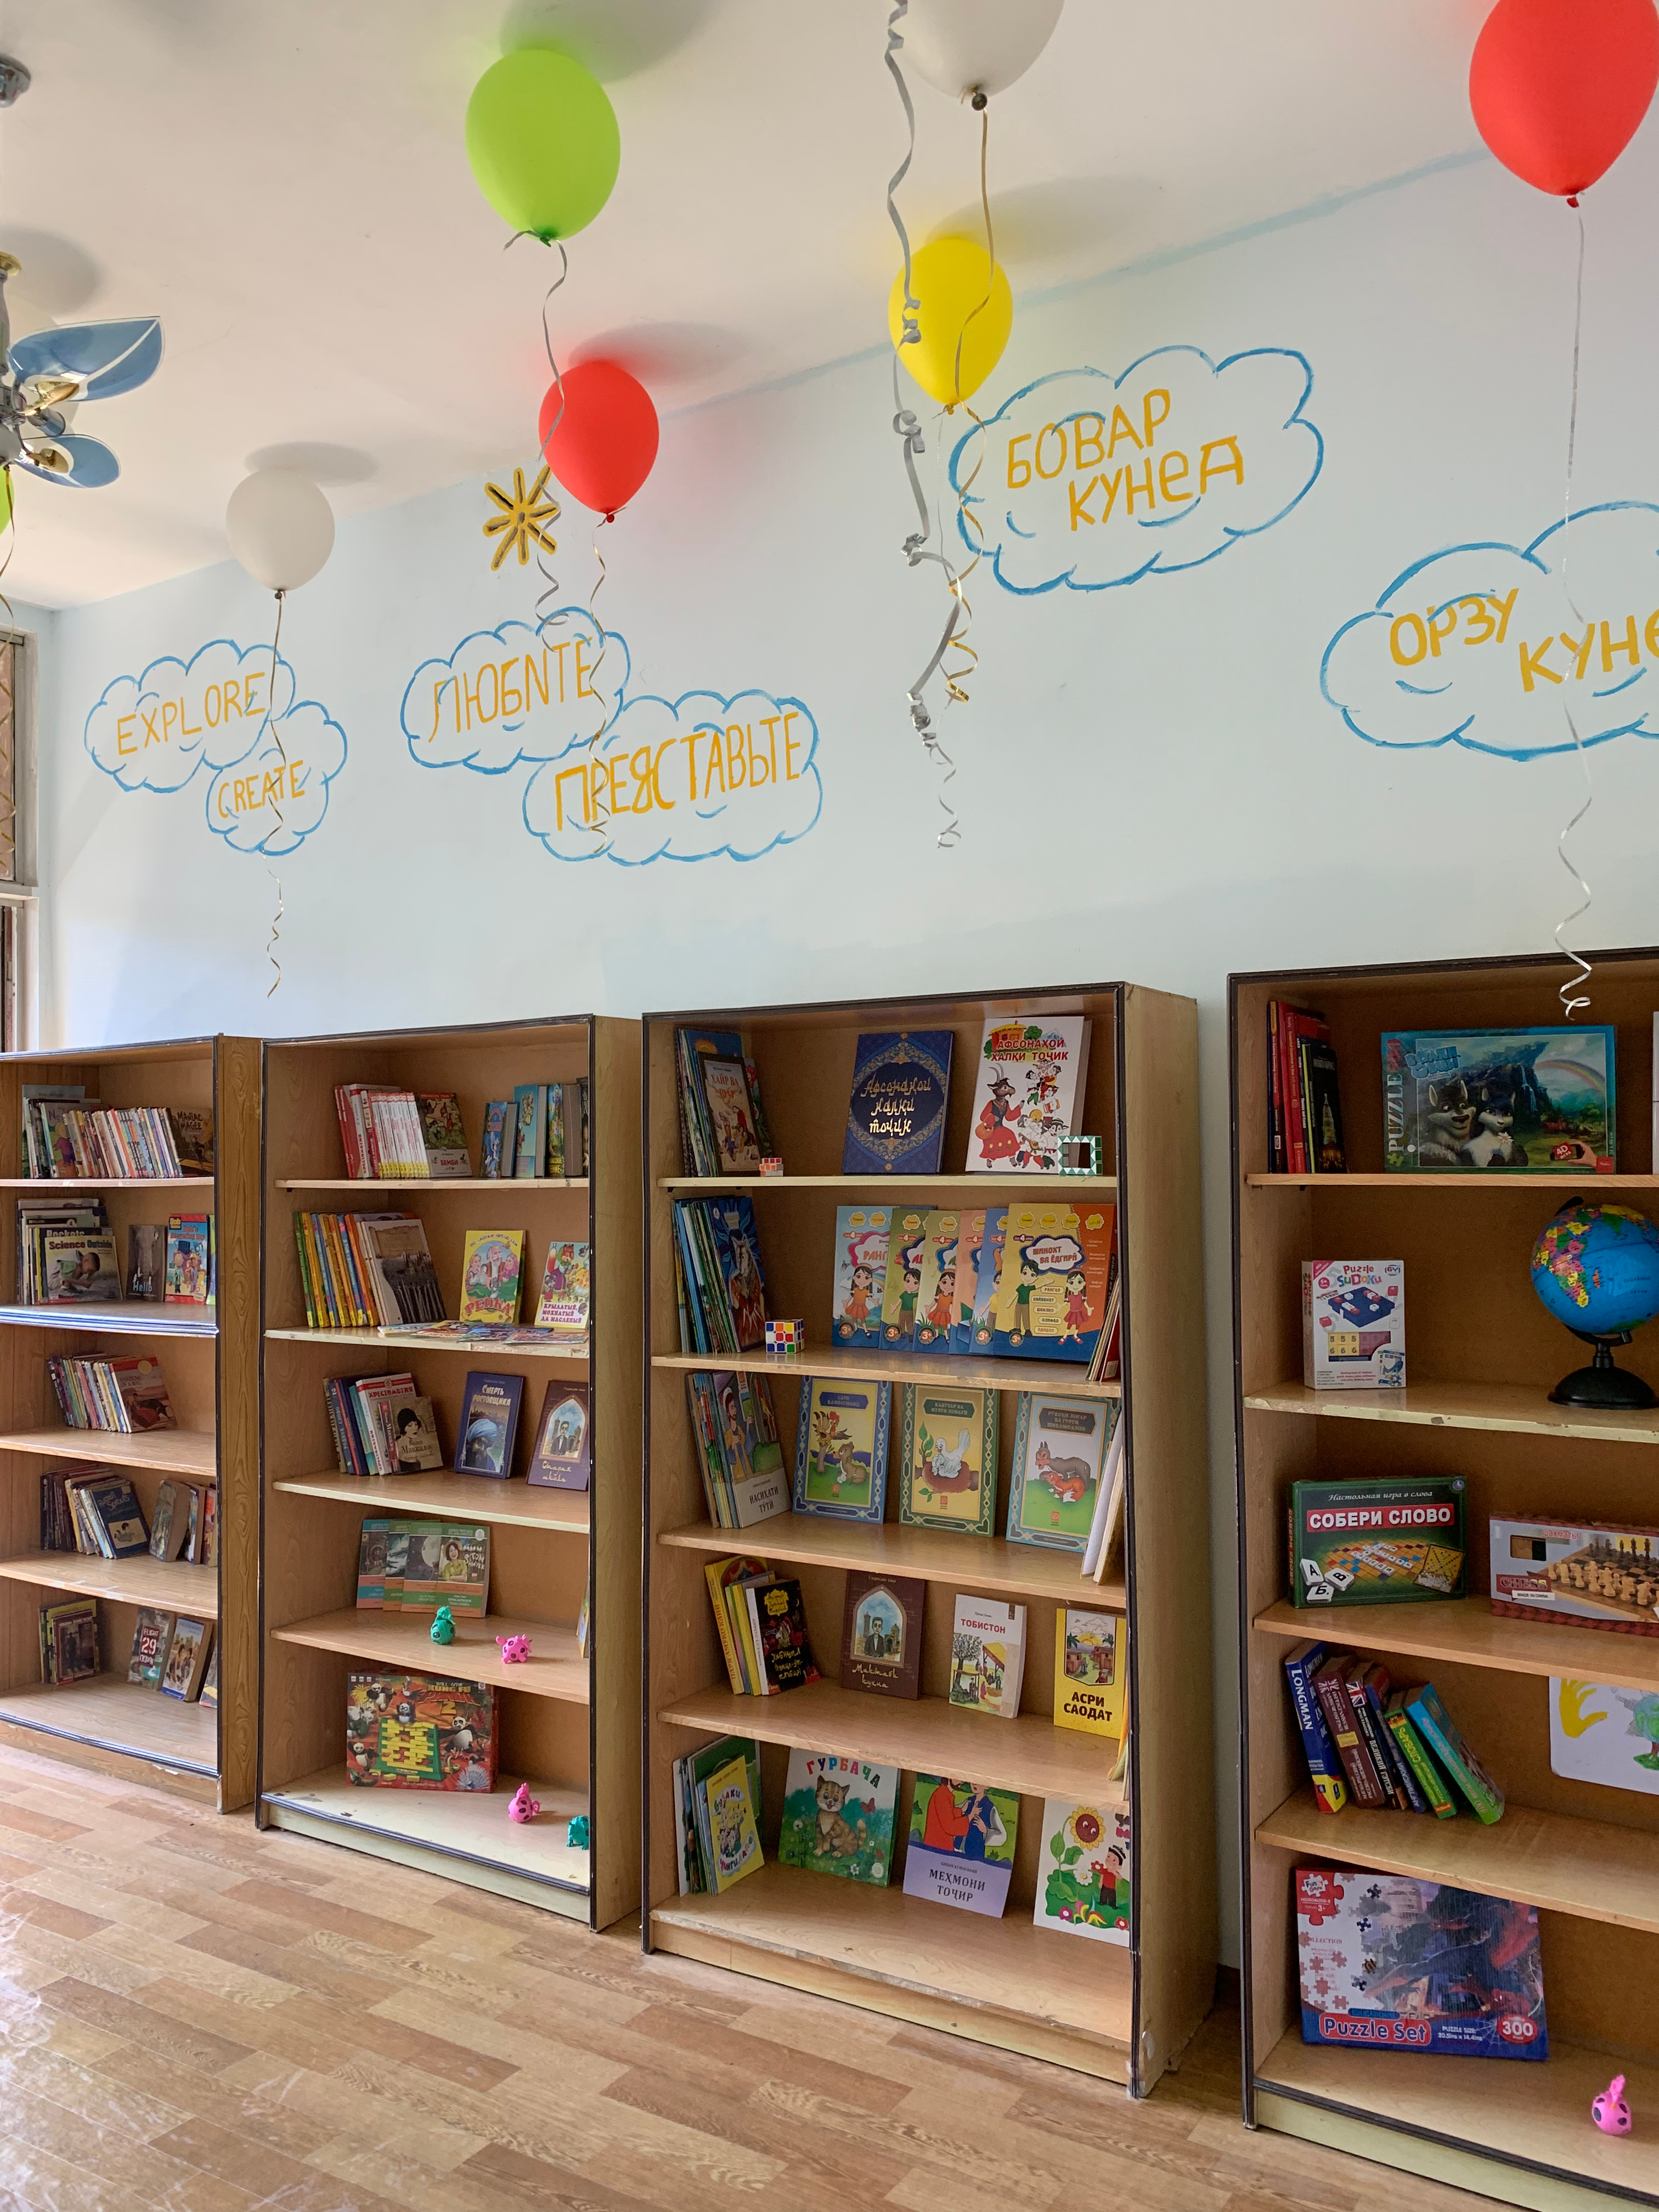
pixel 901 1295
pixel 841 1451
pixel 563 1456
pixel 529 1126
pixel 861 1274
pixel 152 1639
pixel 739 1454
pixel 566 1281
pixel 1376 1541
pixel 1029 1092
pixel 419 1732
pixel 838 1816
pixel 79 1267
pixel 192 1138
pixel 961 1850
pixel 1599 1574
pixel 1491 1100
pixel 1354 1324
pixel 147 1261
pixel 171 1522
pixel 692 1775
pixel 737 1251
pixel 881 1634
pixel 187 1659
pixel 497 1124
pixel 777 1631
pixel 948 1458
pixel 976 1326
pixel 936 1305
pixel 896 1114
pixel 443 1134
pixel 488 1425
pixel 1052 1286
pixel 1059 1456
pixel 1397 1964
pixel 1084 1871
pixel 1091 1680
pixel 1609 1737
pixel 725 1091
pixel 492 1267
pixel 988 1655
pixel 187 1260
pixel 733 1828
pixel 553 1163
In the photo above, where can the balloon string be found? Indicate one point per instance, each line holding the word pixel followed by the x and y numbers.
pixel 910 329
pixel 915 552
pixel 1571 995
pixel 601 818
pixel 275 729
pixel 544 617
pixel 956 679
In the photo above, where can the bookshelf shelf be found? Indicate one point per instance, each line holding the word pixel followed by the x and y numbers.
pixel 208 1358
pixel 900 1367
pixel 929 1554
pixel 568 1720
pixel 1477 1406
pixel 174 1585
pixel 1089 2005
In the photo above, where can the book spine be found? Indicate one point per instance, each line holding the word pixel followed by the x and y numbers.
pixel 1393 1790
pixel 1417 1756
pixel 1339 1717
pixel 1375 1685
pixel 1324 1768
pixel 340 1454
pixel 1448 1748
pixel 1275 1117
pixel 723 1623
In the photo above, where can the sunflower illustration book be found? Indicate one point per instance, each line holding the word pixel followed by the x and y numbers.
pixel 1084 1871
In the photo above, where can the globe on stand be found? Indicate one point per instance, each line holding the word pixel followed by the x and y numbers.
pixel 1597 1270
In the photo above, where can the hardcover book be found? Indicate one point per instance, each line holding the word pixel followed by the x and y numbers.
pixel 988 1655
pixel 114 1503
pixel 725 1091
pixel 152 1639
pixel 896 1115
pixel 841 1451
pixel 1091 1685
pixel 443 1134
pixel 962 1842
pixel 187 1260
pixel 737 1437
pixel 1029 1093
pixel 408 1429
pixel 901 1294
pixel 1540 1100
pixel 1084 1871
pixel 777 1629
pixel 1376 1541
pixel 881 1634
pixel 147 1261
pixel 566 1286
pixel 192 1138
pixel 530 1127
pixel 497 1124
pixel 563 1456
pixel 172 1522
pixel 948 1458
pixel 1060 1454
pixel 732 1828
pixel 1354 1324
pixel 936 1303
pixel 488 1425
pixel 187 1659
pixel 492 1266
pixel 419 1732
pixel 1396 1964
pixel 838 1816
pixel 861 1274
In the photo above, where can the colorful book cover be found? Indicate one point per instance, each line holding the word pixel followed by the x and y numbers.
pixel 977 1326
pixel 881 1624
pixel 725 1091
pixel 443 1133
pixel 1090 1681
pixel 737 1249
pixel 152 1638
pixel 841 1451
pixel 1377 1540
pixel 1059 1453
pixel 901 1295
pixel 1084 1871
pixel 1444 1739
pixel 731 1824
pixel 498 1118
pixel 553 1161
pixel 566 1289
pixel 861 1274
pixel 936 1303
pixel 530 1127
pixel 408 1432
pixel 492 1268
pixel 1396 1963
pixel 563 1456
pixel 370 1566
pixel 419 1732
pixel 1051 1291
pixel 948 1458
pixel 187 1659
pixel 1415 1754
pixel 988 1655
pixel 1542 1100
pixel 488 1424
pixel 962 1842
pixel 777 1627
pixel 192 1138
pixel 79 1267
pixel 187 1278
pixel 1029 1093
pixel 838 1816
pixel 969 1236
pixel 896 1114
pixel 1608 1737
pixel 746 1436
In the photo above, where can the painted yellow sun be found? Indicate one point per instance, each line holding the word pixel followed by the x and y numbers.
pixel 520 519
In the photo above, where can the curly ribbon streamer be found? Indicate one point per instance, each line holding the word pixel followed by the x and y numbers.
pixel 550 582
pixel 910 332
pixel 1571 995
pixel 275 729
pixel 601 824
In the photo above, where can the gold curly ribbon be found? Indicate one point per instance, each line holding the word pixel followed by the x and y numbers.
pixel 1572 996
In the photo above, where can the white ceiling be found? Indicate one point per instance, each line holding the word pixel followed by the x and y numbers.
pixel 285 184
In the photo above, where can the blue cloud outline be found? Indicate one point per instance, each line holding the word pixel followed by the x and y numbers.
pixel 265 845
pixel 171 659
pixel 612 638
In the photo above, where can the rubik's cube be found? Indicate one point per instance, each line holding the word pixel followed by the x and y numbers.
pixel 772 1165
pixel 785 1335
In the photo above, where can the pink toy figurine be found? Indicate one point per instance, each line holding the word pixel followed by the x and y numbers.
pixel 524 1807
pixel 1609 2111
pixel 514 1648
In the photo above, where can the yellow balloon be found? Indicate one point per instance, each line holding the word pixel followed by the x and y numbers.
pixel 951 278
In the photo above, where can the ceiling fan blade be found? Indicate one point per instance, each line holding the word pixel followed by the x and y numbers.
pixel 91 463
pixel 106 359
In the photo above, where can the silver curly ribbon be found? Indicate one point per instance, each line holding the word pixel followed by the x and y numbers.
pixel 1571 995
pixel 276 728
pixel 601 823
pixel 549 592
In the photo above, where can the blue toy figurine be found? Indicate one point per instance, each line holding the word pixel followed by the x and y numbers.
pixel 576 1835
pixel 443 1625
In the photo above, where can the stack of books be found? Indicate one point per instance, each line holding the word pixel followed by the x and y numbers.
pixel 541 1131
pixel 126 1395
pixel 1388 1748
pixel 739 1456
pixel 67 1134
pixel 381 1425
pixel 65 1253
pixel 93 1511
pixel 365 1271
pixel 723 1128
pixel 717 1279
pixel 1304 1104
pixel 717 1809
pixel 416 1566
pixel 391 1135
pixel 175 1655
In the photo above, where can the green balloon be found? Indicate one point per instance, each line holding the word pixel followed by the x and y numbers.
pixel 542 139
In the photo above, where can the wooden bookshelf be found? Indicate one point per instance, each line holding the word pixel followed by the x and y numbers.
pixel 1482 1355
pixel 1123 2014
pixel 208 1356
pixel 568 1724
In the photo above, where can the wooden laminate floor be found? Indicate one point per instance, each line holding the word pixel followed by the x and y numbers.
pixel 198 2018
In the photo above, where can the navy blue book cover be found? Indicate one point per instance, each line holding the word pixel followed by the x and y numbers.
pixel 896 1116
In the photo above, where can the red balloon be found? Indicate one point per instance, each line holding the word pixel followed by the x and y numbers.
pixel 1559 88
pixel 607 439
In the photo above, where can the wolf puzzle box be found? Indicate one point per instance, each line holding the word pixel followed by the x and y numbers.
pixel 1492 1100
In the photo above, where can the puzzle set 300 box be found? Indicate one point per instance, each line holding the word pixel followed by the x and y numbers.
pixel 1379 1542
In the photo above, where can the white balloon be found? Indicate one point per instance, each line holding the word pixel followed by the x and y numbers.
pixel 976 46
pixel 280 528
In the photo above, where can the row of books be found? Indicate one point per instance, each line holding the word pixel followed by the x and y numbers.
pixel 66 1255
pixel 383 1426
pixel 66 1134
pixel 493 1283
pixel 95 1511
pixel 416 1566
pixel 176 1654
pixel 723 1127
pixel 366 1270
pixel 719 1284
pixel 838 1817
pixel 1304 1104
pixel 390 1134
pixel 127 1396
pixel 1387 1747
pixel 541 1131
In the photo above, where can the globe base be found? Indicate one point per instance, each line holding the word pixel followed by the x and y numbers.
pixel 1613 1389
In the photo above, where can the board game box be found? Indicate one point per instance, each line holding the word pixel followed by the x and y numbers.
pixel 1402 1965
pixel 1538 1099
pixel 1377 1542
pixel 419 1732
pixel 1354 1324
pixel 1598 1573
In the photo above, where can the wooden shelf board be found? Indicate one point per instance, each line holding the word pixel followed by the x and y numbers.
pixel 1467 1632
pixel 432 1182
pixel 1535 2115
pixel 117 1714
pixel 1518 1408
pixel 130 1317
pixel 514 1504
pixel 1058 1375
pixel 106 1182
pixel 1552 1860
pixel 985 1563
pixel 170 1584
pixel 553 1669
pixel 450 1824
pixel 927 1735
pixel 168 1451
pixel 1453 1179
pixel 1009 1966
pixel 371 1340
pixel 1054 1186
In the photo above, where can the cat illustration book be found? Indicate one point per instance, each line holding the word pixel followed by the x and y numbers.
pixel 838 1816
pixel 861 1274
